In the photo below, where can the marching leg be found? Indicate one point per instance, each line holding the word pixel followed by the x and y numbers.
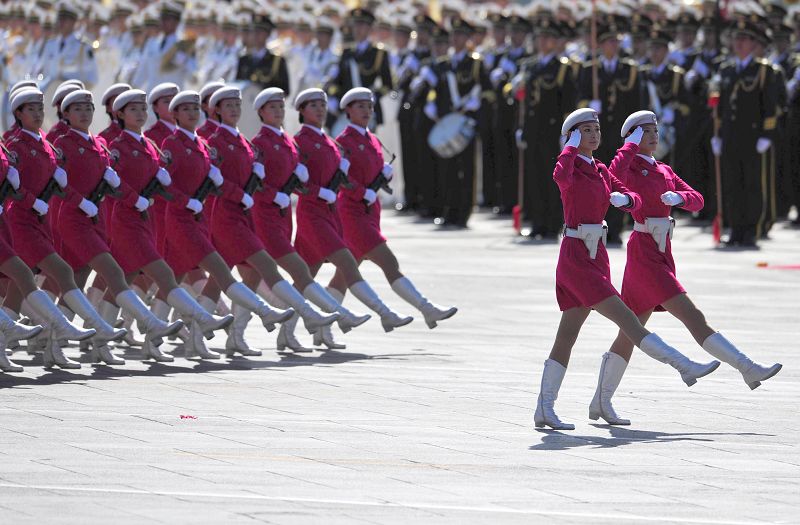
pixel 41 305
pixel 552 376
pixel 197 345
pixel 101 352
pixel 690 371
pixel 244 296
pixel 612 369
pixel 311 318
pixel 432 313
pixel 752 373
pixel 324 336
pixel 149 324
pixel 80 305
pixel 286 336
pixel 328 303
pixel 389 318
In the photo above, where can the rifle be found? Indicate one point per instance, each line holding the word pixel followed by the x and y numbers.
pixel 6 191
pixel 380 182
pixel 102 189
pixel 292 185
pixel 206 188
pixel 154 187
pixel 52 188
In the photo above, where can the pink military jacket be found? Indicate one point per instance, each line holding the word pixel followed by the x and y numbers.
pixel 85 162
pixel 366 161
pixel 279 156
pixel 36 162
pixel 233 155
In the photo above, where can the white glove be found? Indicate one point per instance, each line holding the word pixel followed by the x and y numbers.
pixel 344 165
pixel 700 68
pixel 247 201
pixel 40 207
pixel 333 105
pixel 13 177
pixel 195 206
pixel 716 146
pixel 670 198
pixel 508 66
pixel 430 111
pixel 61 177
pixel 387 171
pixel 690 78
pixel 163 177
pixel 596 105
pixel 574 139
pixel 636 136
pixel 521 144
pixel 618 199
pixel 302 173
pixel 258 169
pixel 281 199
pixel 88 207
pixel 430 77
pixel 327 195
pixel 141 204
pixel 473 104
pixel 668 115
pixel 763 145
pixel 370 196
pixel 111 177
pixel 496 76
pixel 215 175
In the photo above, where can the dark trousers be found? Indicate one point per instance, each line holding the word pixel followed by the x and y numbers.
pixel 745 179
pixel 457 179
pixel 411 159
pixel 542 199
pixel 488 153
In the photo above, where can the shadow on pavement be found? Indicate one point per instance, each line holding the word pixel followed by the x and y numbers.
pixel 557 440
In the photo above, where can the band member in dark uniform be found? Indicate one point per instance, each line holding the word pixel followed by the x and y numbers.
pixel 620 93
pixel 548 84
pixel 361 65
pixel 262 67
pixel 462 85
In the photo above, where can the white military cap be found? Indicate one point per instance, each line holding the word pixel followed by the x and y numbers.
pixel 23 84
pixel 223 94
pixel 63 91
pixel 354 95
pixel 126 97
pixel 639 118
pixel 24 96
pixel 307 95
pixel 73 81
pixel 268 95
pixel 164 89
pixel 184 97
pixel 114 90
pixel 79 95
pixel 209 89
pixel 578 117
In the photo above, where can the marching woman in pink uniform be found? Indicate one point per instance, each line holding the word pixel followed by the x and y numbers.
pixel 583 273
pixel 85 245
pixel 319 231
pixel 273 214
pixel 133 240
pixel 360 210
pixel 188 237
pixel 35 160
pixel 649 283
pixel 249 232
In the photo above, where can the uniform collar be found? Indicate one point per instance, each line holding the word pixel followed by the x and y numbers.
pixel 314 129
pixel 133 134
pixel 651 160
pixel 741 64
pixel 362 131
pixel 277 131
pixel 169 125
pixel 82 134
pixel 37 136
pixel 362 46
pixel 233 131
pixel 546 58
pixel 589 160
pixel 191 134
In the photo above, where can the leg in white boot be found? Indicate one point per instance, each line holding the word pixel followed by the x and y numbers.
pixel 236 342
pixel 198 312
pixel 197 345
pixel 244 296
pixel 81 306
pixel 329 302
pixel 287 339
pixel 752 373
pixel 552 376
pixel 149 324
pixel 431 312
pixel 690 371
pixel 42 306
pixel 612 368
pixel 54 356
pixel 101 352
pixel 311 318
pixel 389 318
pixel 6 364
pixel 324 337
pixel 14 331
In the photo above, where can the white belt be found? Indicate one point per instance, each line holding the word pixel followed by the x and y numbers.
pixel 659 227
pixel 590 234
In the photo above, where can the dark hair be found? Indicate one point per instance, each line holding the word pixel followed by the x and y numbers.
pixel 300 111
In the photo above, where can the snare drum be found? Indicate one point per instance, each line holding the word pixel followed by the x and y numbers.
pixel 451 135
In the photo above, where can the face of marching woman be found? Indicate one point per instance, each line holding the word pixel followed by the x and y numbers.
pixel 161 107
pixel 590 137
pixel 80 115
pixel 272 113
pixel 649 141
pixel 360 112
pixel 30 115
pixel 187 116
pixel 314 112
pixel 229 111
pixel 134 115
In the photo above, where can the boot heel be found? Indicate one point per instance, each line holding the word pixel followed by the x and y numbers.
pixel 754 385
pixel 594 416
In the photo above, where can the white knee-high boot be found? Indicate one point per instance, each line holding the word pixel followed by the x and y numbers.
pixel 690 371
pixel 328 303
pixel 752 373
pixel 236 343
pixel 152 349
pixel 324 336
pixel 190 308
pixel 42 306
pixel 431 312
pixel 612 368
pixel 286 333
pixel 101 352
pixel 150 325
pixel 389 318
pixel 244 296
pixel 311 318
pixel 552 376
pixel 81 306
pixel 196 347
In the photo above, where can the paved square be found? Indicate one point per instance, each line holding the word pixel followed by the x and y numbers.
pixel 422 426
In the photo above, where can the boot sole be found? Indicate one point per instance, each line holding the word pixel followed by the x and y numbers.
pixel 694 379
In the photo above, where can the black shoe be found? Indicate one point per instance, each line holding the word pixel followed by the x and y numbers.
pixel 501 210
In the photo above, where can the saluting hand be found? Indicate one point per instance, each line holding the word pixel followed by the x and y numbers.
pixel 636 136
pixel 574 139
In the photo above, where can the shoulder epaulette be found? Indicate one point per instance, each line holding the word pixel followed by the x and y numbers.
pixel 380 45
pixel 564 60
pixel 475 55
pixel 629 62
